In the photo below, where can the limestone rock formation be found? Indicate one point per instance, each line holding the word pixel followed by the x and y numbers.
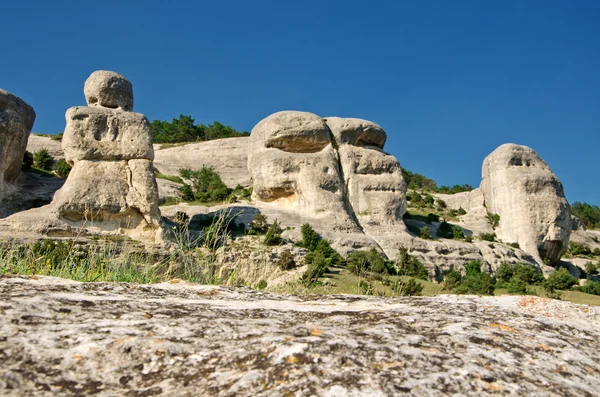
pixel 520 187
pixel 16 121
pixel 60 337
pixel 373 179
pixel 111 187
pixel 294 165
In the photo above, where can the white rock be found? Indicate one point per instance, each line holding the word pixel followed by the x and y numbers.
pixel 109 90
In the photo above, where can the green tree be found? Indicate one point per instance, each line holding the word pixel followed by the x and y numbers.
pixel 43 160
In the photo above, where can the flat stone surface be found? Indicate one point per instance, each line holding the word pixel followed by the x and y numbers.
pixel 59 337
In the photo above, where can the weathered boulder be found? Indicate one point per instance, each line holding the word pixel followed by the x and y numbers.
pixel 294 165
pixel 111 188
pixel 520 187
pixel 108 90
pixel 373 179
pixel 16 121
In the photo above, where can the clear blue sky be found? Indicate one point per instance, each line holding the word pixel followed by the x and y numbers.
pixel 448 80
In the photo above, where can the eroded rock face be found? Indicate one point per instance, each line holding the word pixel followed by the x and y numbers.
pixel 16 121
pixel 373 179
pixel 294 165
pixel 108 90
pixel 520 187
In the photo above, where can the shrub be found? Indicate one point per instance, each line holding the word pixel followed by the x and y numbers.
pixel 414 197
pixel 469 239
pixel 27 160
pixel 591 287
pixel 588 214
pixel 475 281
pixel 316 269
pixel 441 203
pixel 445 230
pixel 596 251
pixel 207 184
pixel 428 199
pixel 457 232
pixel 62 168
pixel 451 280
pixel 517 286
pixel 365 287
pixel 408 287
pixel 425 233
pixel 320 257
pixel 362 263
pixel 262 284
pixel 560 279
pixel 286 260
pixel 258 225
pixel 520 271
pixel 493 220
pixel 310 238
pixel 273 235
pixel 579 249
pixel 43 160
pixel 433 217
pixel 591 268
pixel 461 211
pixel 514 245
pixel 488 236
pixel 408 265
pixel 187 193
pixel 183 129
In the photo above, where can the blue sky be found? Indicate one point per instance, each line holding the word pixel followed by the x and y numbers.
pixel 448 80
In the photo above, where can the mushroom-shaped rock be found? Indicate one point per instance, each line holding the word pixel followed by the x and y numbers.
pixel 294 166
pixel 109 90
pixel 16 121
pixel 520 187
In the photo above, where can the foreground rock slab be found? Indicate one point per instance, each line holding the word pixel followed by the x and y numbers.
pixel 65 338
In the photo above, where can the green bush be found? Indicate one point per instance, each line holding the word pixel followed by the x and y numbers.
pixel 515 245
pixel 414 197
pixel 591 268
pixel 408 265
pixel 183 129
pixel 519 271
pixel 517 286
pixel 258 226
pixel 441 203
pixel 425 233
pixel 62 168
pixel 43 160
pixel 475 281
pixel 408 287
pixel 316 269
pixel 273 235
pixel 591 287
pixel 587 213
pixel 493 220
pixel 363 263
pixel 451 279
pixel 262 284
pixel 207 184
pixel 461 211
pixel 579 249
pixel 433 218
pixel 560 279
pixel 310 238
pixel 187 193
pixel 445 230
pixel 286 260
pixel 457 232
pixel 428 199
pixel 488 236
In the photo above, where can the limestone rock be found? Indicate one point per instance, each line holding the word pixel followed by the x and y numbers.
pixel 35 143
pixel 16 121
pixel 520 187
pixel 356 132
pixel 95 133
pixel 109 90
pixel 178 339
pixel 294 165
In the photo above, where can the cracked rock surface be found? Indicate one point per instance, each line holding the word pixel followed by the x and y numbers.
pixel 59 337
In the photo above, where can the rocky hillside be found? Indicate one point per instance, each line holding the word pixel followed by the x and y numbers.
pixel 61 338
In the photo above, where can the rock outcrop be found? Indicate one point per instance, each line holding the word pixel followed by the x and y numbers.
pixel 520 187
pixel 59 337
pixel 111 187
pixel 16 121
pixel 294 165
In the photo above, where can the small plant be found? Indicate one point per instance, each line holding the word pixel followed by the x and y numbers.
pixel 457 232
pixel 286 260
pixel 596 251
pixel 43 160
pixel 433 218
pixel 61 168
pixel 262 284
pixel 514 245
pixel 579 249
pixel 273 235
pixel 187 193
pixel 561 279
pixel 591 287
pixel 469 239
pixel 408 287
pixel 408 265
pixel 441 203
pixel 591 268
pixel 475 281
pixel 310 238
pixel 451 280
pixel 461 211
pixel 428 199
pixel 488 236
pixel 207 184
pixel 445 230
pixel 493 220
pixel 366 288
pixel 259 225
pixel 425 233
